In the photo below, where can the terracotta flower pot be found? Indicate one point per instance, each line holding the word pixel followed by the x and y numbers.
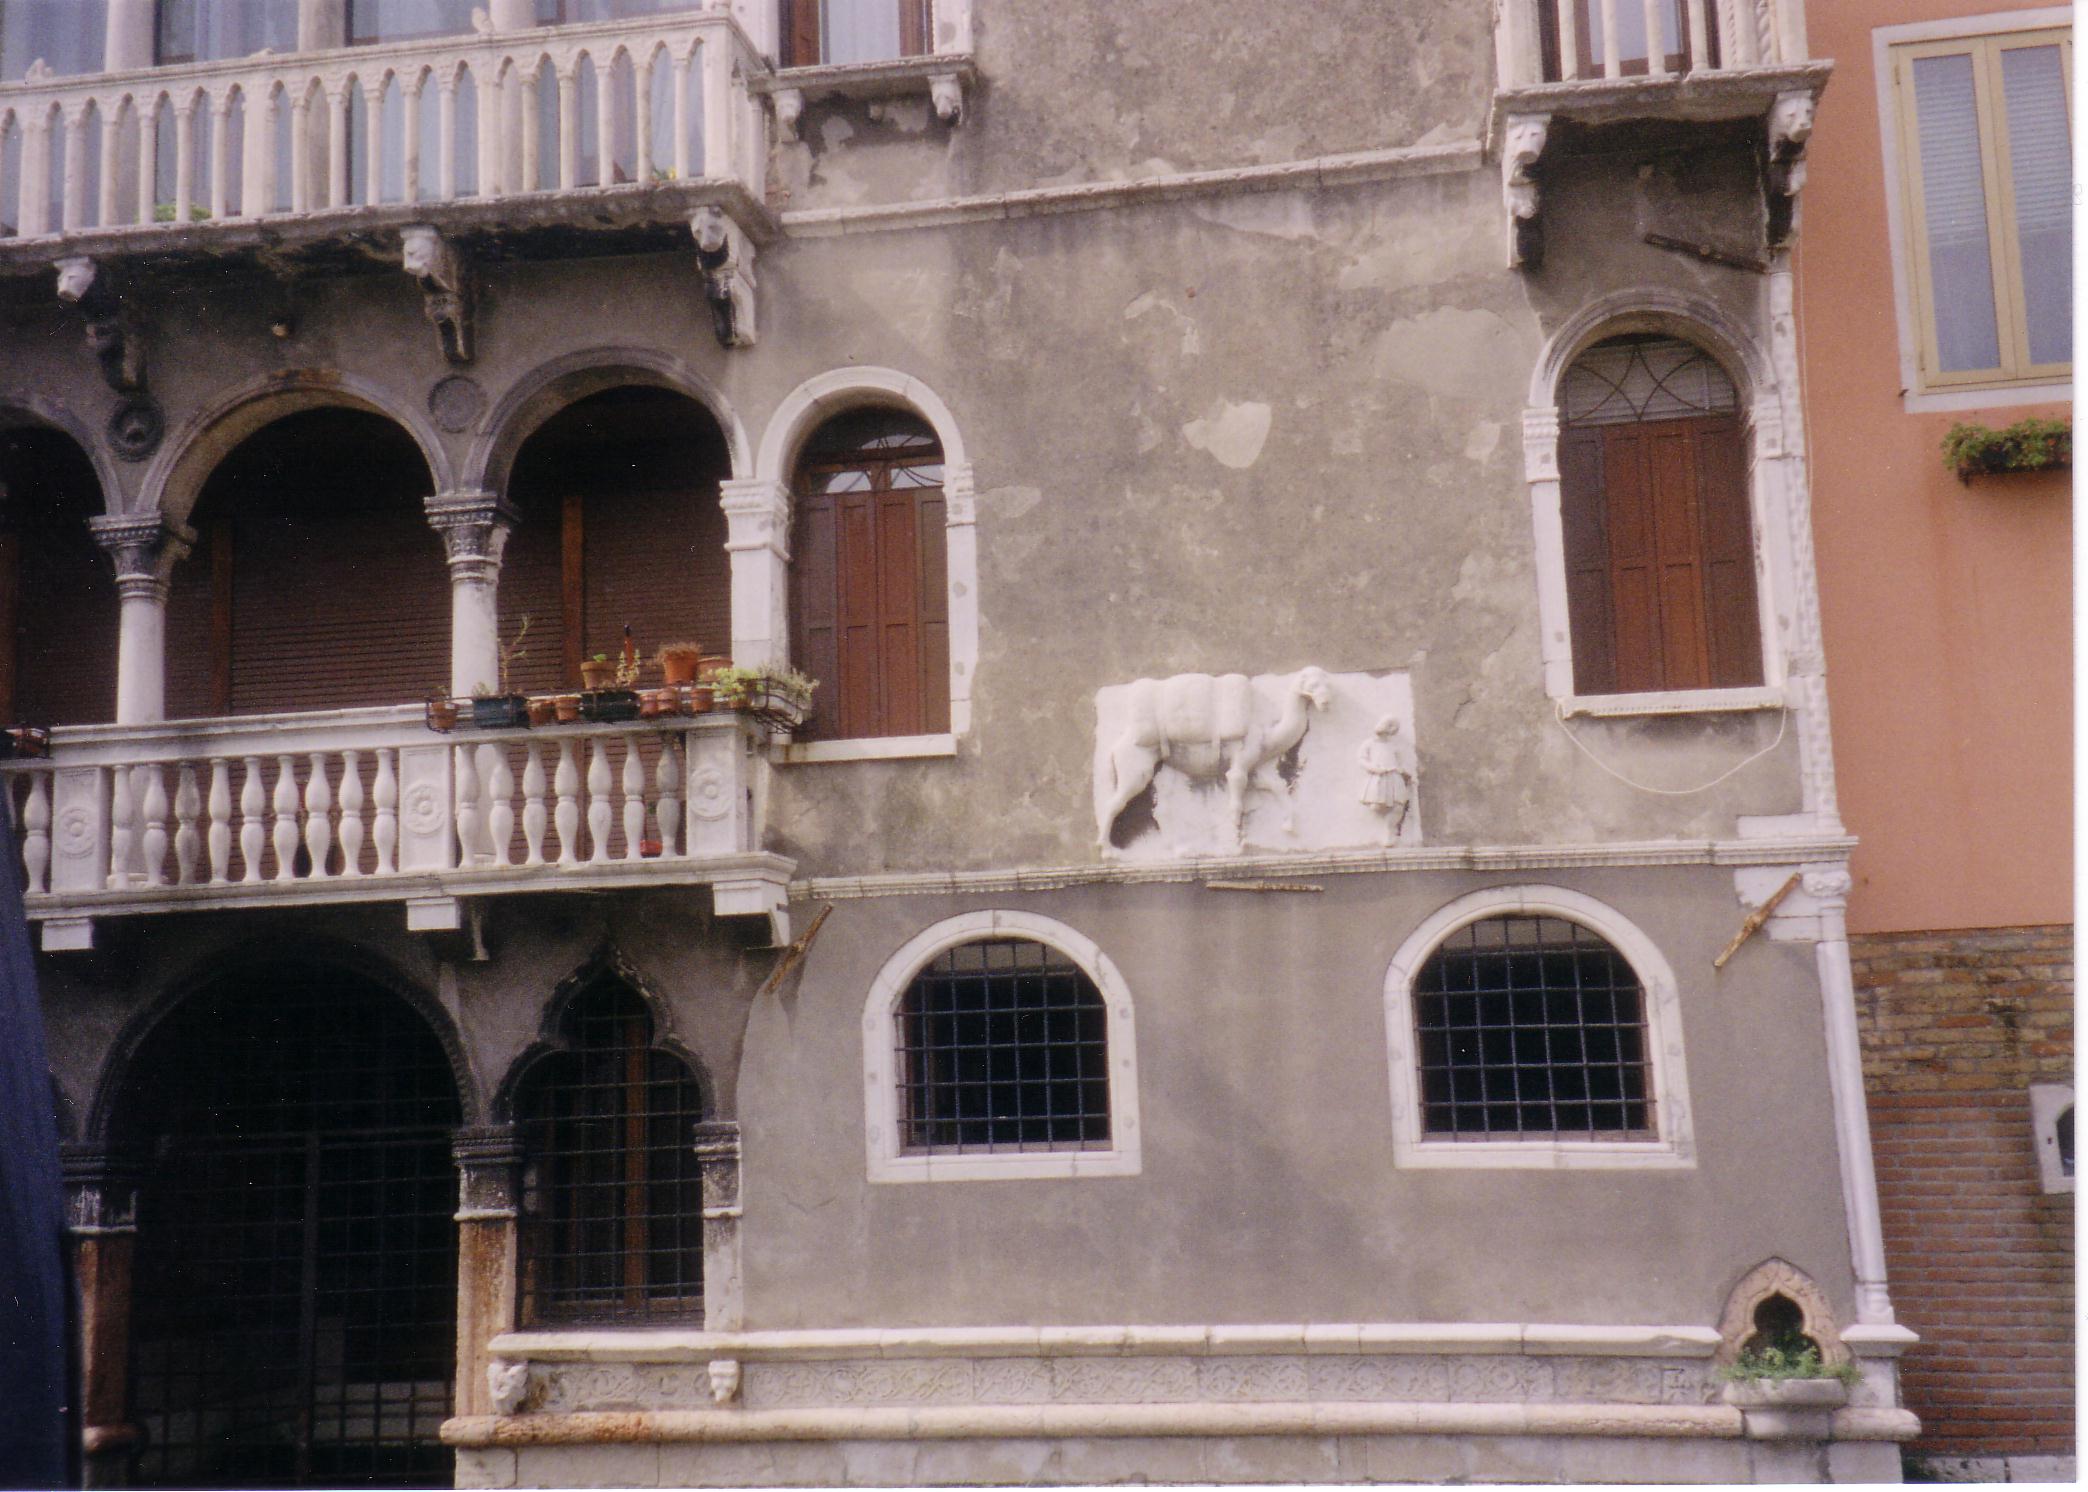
pixel 597 675
pixel 567 707
pixel 442 714
pixel 543 709
pixel 678 664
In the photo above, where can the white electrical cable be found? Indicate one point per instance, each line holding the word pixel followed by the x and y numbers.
pixel 1783 720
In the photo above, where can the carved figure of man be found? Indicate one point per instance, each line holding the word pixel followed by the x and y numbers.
pixel 1388 788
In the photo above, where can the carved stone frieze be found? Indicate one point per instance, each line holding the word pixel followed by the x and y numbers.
pixel 1200 764
pixel 1125 1380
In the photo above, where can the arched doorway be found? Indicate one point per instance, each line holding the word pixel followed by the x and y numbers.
pixel 295 1290
pixel 316 582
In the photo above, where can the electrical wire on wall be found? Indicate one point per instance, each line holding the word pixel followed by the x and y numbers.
pixel 1783 722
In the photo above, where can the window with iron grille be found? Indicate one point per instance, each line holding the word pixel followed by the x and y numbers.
pixel 612 1202
pixel 1531 1027
pixel 1003 1046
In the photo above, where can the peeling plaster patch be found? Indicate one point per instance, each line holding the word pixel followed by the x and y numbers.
pixel 1286 142
pixel 1484 440
pixel 1231 434
pixel 1192 339
pixel 1285 215
pixel 1409 248
pixel 835 131
pixel 1464 354
pixel 1011 502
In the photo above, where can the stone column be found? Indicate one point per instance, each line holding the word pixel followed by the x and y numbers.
pixel 102 1225
pixel 488 1173
pixel 321 25
pixel 757 524
pixel 474 528
pixel 718 1163
pixel 146 548
pixel 128 35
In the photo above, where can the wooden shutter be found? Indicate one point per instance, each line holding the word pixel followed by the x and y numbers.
pixel 815 646
pixel 800 32
pixel 1735 628
pixel 1589 614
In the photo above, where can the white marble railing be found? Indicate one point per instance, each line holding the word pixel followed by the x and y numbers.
pixel 1608 38
pixel 372 805
pixel 554 109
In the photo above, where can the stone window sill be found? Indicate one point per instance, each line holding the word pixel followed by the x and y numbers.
pixel 1674 702
pixel 867 749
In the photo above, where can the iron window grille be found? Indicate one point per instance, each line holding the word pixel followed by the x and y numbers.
pixel 612 1198
pixel 1531 1028
pixel 1002 1046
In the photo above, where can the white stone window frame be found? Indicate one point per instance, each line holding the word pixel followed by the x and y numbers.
pixel 760 512
pixel 1914 399
pixel 2047 1102
pixel 1774 465
pixel 1673 1145
pixel 889 1162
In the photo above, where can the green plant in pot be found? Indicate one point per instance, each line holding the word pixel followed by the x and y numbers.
pixel 2027 445
pixel 610 695
pixel 777 697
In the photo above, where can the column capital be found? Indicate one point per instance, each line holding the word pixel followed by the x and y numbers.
pixel 757 515
pixel 488 1157
pixel 474 528
pixel 960 495
pixel 101 1190
pixel 145 547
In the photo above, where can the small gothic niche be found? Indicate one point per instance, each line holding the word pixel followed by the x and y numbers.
pixel 1776 1304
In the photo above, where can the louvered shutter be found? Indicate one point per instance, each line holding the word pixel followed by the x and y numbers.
pixel 1729 567
pixel 815 645
pixel 800 33
pixel 1588 610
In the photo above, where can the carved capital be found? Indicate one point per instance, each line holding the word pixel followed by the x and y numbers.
pixel 145 548
pixel 474 528
pixel 1522 147
pixel 757 515
pixel 960 496
pixel 1829 886
pixel 448 296
pixel 726 257
pixel 101 1191
pixel 1541 444
pixel 488 1159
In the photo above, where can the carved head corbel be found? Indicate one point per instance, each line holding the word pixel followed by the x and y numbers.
pixel 444 276
pixel 115 333
pixel 726 258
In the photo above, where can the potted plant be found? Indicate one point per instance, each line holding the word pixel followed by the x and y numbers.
pixel 598 672
pixel 612 697
pixel 442 712
pixel 566 707
pixel 543 709
pixel 776 697
pixel 1788 1380
pixel 679 662
pixel 505 710
pixel 24 741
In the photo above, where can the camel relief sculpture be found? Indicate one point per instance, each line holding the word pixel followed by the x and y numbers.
pixel 1205 727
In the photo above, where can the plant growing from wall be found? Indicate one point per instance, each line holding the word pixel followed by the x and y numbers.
pixel 2027 445
pixel 1776 1364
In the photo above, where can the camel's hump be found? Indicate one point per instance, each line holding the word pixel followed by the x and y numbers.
pixel 1191 707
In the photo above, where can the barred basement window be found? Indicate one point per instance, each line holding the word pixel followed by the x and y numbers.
pixel 612 1202
pixel 1002 1046
pixel 1531 1027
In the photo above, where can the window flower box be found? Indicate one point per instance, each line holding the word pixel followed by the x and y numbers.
pixel 2027 445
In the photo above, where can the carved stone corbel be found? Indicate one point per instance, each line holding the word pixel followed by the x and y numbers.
pixel 447 288
pixel 946 94
pixel 727 260
pixel 1790 127
pixel 1521 148
pixel 789 104
pixel 115 331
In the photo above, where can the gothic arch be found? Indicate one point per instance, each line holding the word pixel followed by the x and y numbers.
pixel 1770 1278
pixel 26 406
pixel 545 390
pixel 607 962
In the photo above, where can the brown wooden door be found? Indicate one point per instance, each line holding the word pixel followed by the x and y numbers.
pixel 1659 556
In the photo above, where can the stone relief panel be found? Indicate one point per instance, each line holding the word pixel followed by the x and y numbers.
pixel 1203 764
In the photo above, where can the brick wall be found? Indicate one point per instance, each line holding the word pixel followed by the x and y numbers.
pixel 1955 1028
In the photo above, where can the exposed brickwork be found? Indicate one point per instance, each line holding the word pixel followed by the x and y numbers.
pixel 1956 1026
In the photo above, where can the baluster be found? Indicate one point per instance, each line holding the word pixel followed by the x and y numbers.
pixel 633 798
pixel 1699 36
pixel 35 205
pixel 1568 12
pixel 188 804
pixel 641 87
pixel 387 796
pixel 36 844
pixel 337 147
pixel 668 775
pixel 283 827
pixel 409 147
pixel 1656 38
pixel 122 808
pixel 148 157
pixel 220 821
pixel 318 804
pixel 1612 53
pixel 678 70
pixel 184 159
pixel 527 123
pixel 111 166
pixel 533 815
pixel 373 119
pixel 1742 41
pixel 257 172
pixel 251 834
pixel 351 813
pixel 154 813
pixel 569 126
pixel 300 151
pixel 467 808
pixel 598 815
pixel 568 782
pixel 72 186
pixel 500 815
pixel 492 128
pixel 605 121
pixel 221 155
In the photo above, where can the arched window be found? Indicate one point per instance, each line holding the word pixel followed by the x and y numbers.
pixel 612 1204
pixel 1531 1027
pixel 1660 573
pixel 1003 1046
pixel 869 614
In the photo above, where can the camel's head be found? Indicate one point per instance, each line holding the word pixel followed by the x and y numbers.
pixel 1314 685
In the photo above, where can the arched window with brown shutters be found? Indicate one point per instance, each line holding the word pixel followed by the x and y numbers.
pixel 1660 574
pixel 869 614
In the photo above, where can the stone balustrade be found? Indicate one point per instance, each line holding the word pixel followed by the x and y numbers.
pixel 608 105
pixel 370 805
pixel 1554 41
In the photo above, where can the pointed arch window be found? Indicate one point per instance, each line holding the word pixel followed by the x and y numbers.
pixel 1659 541
pixel 869 577
pixel 612 1199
